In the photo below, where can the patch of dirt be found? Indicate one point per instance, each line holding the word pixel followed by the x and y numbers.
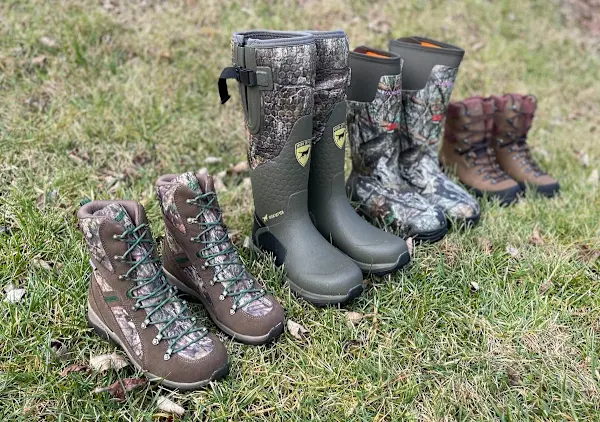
pixel 586 13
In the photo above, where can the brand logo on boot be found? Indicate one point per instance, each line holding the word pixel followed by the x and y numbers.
pixel 303 151
pixel 339 135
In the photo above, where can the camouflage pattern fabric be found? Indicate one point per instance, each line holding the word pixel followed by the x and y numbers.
pixel 128 329
pixel 91 233
pixel 293 70
pixel 423 115
pixel 196 349
pixel 376 182
pixel 232 263
pixel 332 75
pixel 166 196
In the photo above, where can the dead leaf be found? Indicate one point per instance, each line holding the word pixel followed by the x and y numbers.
pixel 485 244
pixel 61 351
pixel 15 295
pixel 474 286
pixel 583 158
pixel 410 244
pixel 588 254
pixel 212 160
pixel 514 378
pixel 512 251
pixel 352 345
pixel 545 286
pixel 79 157
pixel 478 46
pixel 247 243
pixel 165 56
pixel 141 158
pixel 594 178
pixel 536 238
pixel 247 183
pixel 241 167
pixel 296 330
pixel 75 367
pixel 218 182
pixel 48 42
pixel 119 388
pixel 380 26
pixel 40 263
pixel 169 406
pixel 102 363
pixel 39 61
pixel 353 318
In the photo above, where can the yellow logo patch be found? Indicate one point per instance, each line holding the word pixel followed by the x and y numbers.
pixel 339 135
pixel 303 151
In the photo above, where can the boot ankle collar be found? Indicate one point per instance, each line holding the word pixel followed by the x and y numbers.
pixel 266 39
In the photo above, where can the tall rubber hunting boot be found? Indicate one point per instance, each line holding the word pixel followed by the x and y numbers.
pixel 374 121
pixel 430 69
pixel 512 121
pixel 373 250
pixel 201 261
pixel 467 151
pixel 276 75
pixel 131 303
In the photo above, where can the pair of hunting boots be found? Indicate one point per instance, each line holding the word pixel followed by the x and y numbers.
pixel 292 87
pixel 485 144
pixel 133 296
pixel 397 101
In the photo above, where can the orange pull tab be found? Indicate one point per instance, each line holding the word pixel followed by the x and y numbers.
pixel 428 44
pixel 371 53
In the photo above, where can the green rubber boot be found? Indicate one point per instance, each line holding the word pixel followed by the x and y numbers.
pixel 276 75
pixel 374 251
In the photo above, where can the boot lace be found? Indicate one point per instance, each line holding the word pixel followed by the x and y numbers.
pixel 480 153
pixel 517 143
pixel 208 203
pixel 162 292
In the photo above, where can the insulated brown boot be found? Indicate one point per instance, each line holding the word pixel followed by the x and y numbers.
pixel 466 150
pixel 512 120
pixel 201 261
pixel 131 302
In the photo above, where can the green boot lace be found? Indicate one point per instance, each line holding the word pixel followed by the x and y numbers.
pixel 207 202
pixel 162 292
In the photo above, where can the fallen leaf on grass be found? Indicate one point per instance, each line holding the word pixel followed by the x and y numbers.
pixel 594 178
pixel 296 330
pixel 103 363
pixel 512 251
pixel 15 295
pixel 119 388
pixel 380 26
pixel 536 238
pixel 45 265
pixel 169 406
pixel 583 158
pixel 514 378
pixel 241 167
pixel 485 244
pixel 352 345
pixel 39 61
pixel 410 244
pixel 545 286
pixel 48 42
pixel 474 286
pixel 61 351
pixel 212 160
pixel 247 243
pixel 353 318
pixel 75 367
pixel 587 254
pixel 218 181
pixel 79 157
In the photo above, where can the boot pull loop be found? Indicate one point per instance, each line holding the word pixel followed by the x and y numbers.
pixel 240 74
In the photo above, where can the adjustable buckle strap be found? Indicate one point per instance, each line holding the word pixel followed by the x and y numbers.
pixel 242 75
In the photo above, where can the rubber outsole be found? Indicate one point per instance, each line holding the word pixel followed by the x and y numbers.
pixel 103 331
pixel 545 190
pixel 431 236
pixel 506 197
pixel 383 269
pixel 464 223
pixel 242 338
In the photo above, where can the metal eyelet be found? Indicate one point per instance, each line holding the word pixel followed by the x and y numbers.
pixel 232 311
pixel 144 324
pixel 191 220
pixel 167 356
pixel 189 201
pixel 156 339
pixel 122 277
pixel 116 236
pixel 211 282
pixel 221 297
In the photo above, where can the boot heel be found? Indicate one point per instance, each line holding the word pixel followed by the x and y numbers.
pixel 93 323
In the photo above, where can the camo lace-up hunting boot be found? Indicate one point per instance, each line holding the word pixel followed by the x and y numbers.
pixel 512 121
pixel 374 122
pixel 430 69
pixel 373 250
pixel 276 75
pixel 201 261
pixel 131 302
pixel 467 150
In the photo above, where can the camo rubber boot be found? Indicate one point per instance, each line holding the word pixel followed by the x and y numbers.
pixel 201 261
pixel 467 151
pixel 512 121
pixel 276 75
pixel 430 69
pixel 373 250
pixel 131 303
pixel 374 120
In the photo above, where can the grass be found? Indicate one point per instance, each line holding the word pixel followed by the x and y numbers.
pixel 129 93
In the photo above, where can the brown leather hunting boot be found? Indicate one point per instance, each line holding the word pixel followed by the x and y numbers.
pixel 201 261
pixel 131 303
pixel 512 121
pixel 466 150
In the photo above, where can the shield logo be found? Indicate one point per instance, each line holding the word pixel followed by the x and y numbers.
pixel 303 151
pixel 339 135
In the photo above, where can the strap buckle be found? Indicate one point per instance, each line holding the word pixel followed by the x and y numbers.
pixel 241 74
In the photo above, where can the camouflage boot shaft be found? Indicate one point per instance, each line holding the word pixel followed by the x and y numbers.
pixel 374 124
pixel 467 152
pixel 512 121
pixel 131 302
pixel 201 261
pixel 430 69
